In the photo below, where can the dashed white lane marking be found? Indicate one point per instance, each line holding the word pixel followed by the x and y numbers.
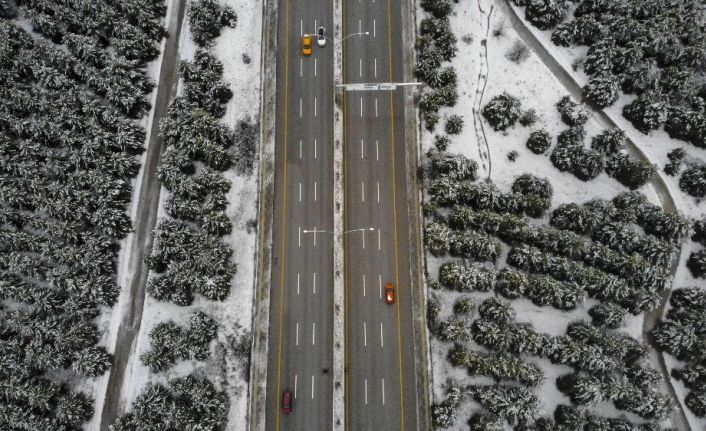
pixel 300 236
pixel 297 283
pixel 375 67
pixel 301 111
pixel 301 67
pixel 377 151
pixel 382 339
pixel 295 385
pixel 313 333
pixel 312 388
pixel 362 196
pixel 301 27
pixel 315 187
pixel 315 66
pixel 314 284
pixel 314 148
pixel 383 392
pixel 378 192
pixel 360 67
pixel 376 106
pixel 380 284
pixel 314 236
pixel 315 26
pixel 374 28
pixel 363 284
pixel 315 104
pixel 360 28
pixel 296 335
pixel 365 334
pixel 300 149
pixel 366 391
pixel 361 107
pixel 362 149
pixel 300 192
pixel 378 236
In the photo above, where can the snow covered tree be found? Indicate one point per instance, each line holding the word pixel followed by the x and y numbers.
pixel 512 403
pixel 463 306
pixel 603 90
pixel 545 14
pixel 443 414
pixel 609 141
pixel 528 117
pixel 92 361
pixel 437 238
pixel 572 113
pixel 454 166
pixel 648 112
pixel 439 8
pixel 502 111
pixel 207 17
pixel 473 245
pixel 688 122
pixel 528 184
pixel 676 157
pixel 699 231
pixel 693 181
pixel 496 310
pixel 441 142
pixel 629 171
pixel 511 283
pixel 459 276
pixel 608 315
pixel 539 141
pixel 454 125
pixel 453 330
pixel 479 422
pixel 697 263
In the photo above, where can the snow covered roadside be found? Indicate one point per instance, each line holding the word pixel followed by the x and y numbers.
pixel 537 88
pixel 234 314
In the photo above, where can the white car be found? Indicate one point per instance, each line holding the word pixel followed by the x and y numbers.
pixel 321 36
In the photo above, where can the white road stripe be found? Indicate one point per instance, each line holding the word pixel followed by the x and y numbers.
pixel 315 193
pixel 301 67
pixel 373 28
pixel 380 283
pixel 378 192
pixel 363 232
pixel 375 69
pixel 363 284
pixel 382 340
pixel 362 194
pixel 315 26
pixel 300 149
pixel 377 151
pixel 297 283
pixel 360 67
pixel 315 64
pixel 312 388
pixel 296 336
pixel 300 236
pixel 366 391
pixel 365 334
pixel 362 151
pixel 314 236
pixel 314 283
pixel 378 238
pixel 301 27
pixel 376 106
pixel 315 106
pixel 314 148
pixel 300 192
pixel 295 386
pixel 383 392
pixel 313 333
pixel 360 28
pixel 301 112
pixel 361 107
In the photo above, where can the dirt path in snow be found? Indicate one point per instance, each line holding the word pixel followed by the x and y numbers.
pixel 576 91
pixel 145 221
pixel 483 149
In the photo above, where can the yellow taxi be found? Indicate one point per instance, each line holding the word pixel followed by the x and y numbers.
pixel 306 44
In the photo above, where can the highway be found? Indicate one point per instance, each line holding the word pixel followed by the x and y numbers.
pixel 380 378
pixel 380 375
pixel 301 308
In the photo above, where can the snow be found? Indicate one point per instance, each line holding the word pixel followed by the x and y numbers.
pixel 234 314
pixel 538 88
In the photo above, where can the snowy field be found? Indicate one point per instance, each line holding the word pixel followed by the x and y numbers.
pixel 486 21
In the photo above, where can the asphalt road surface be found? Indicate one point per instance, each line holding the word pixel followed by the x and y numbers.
pixel 380 365
pixel 300 351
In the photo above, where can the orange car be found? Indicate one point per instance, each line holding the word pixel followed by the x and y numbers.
pixel 306 44
pixel 389 293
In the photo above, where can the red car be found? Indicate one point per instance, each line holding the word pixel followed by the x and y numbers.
pixel 287 402
pixel 389 293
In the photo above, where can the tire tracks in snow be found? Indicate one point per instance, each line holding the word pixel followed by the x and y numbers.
pixel 484 155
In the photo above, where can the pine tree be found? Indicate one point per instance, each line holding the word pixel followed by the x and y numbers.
pixel 693 181
pixel 502 111
pixel 539 141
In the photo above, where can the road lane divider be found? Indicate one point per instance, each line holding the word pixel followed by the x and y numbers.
pixel 383 391
pixel 315 151
pixel 362 149
pixel 376 107
pixel 363 284
pixel 312 386
pixel 314 284
pixel 382 339
pixel 296 376
pixel 315 187
pixel 361 107
pixel 301 111
pixel 297 283
pixel 313 333
pixel 365 334
pixel 296 335
pixel 377 151
pixel 366 392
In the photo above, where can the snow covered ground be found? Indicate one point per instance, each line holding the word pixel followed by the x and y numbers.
pixel 485 23
pixel 234 314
